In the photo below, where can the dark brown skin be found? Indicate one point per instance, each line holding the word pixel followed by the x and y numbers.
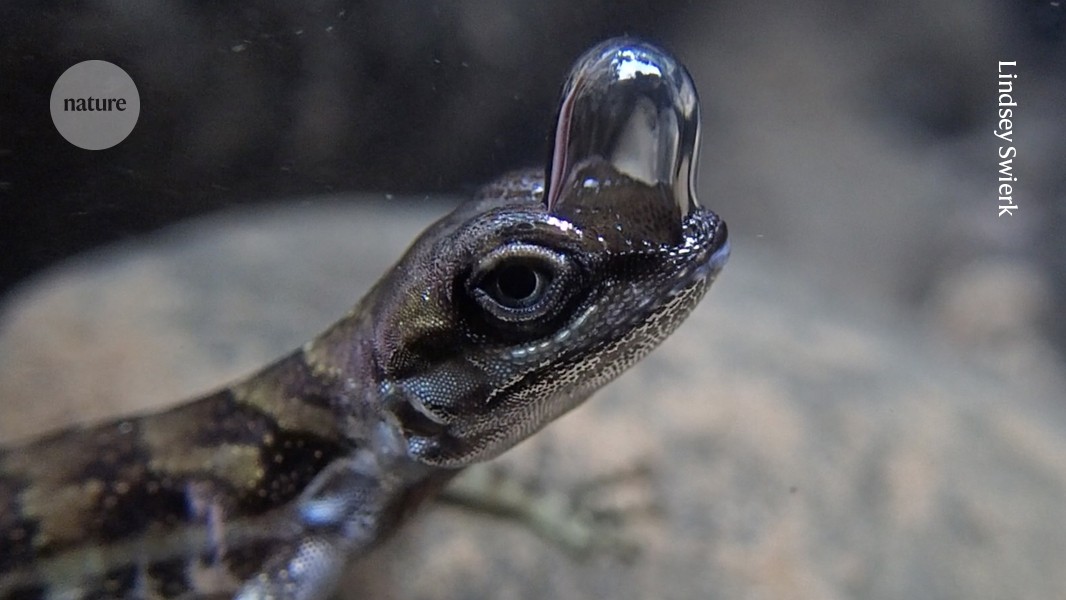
pixel 500 317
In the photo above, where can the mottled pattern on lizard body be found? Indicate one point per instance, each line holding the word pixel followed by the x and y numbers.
pixel 501 317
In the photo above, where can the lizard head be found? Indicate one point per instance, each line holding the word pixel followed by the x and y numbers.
pixel 517 306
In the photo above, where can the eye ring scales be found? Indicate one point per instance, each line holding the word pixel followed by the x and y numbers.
pixel 521 283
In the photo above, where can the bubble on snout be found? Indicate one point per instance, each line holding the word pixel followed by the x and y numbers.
pixel 626 144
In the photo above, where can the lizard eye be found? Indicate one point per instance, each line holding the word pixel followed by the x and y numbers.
pixel 521 284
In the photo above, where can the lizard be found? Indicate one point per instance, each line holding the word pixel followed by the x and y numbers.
pixel 501 317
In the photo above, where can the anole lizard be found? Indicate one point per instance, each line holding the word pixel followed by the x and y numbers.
pixel 500 317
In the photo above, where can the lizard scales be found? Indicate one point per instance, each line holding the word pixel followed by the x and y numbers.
pixel 500 317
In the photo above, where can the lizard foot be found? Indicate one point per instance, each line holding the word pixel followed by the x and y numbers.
pixel 595 517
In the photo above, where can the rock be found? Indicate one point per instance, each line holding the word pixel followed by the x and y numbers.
pixel 806 441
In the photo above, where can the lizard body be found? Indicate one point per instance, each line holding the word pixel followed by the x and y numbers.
pixel 500 317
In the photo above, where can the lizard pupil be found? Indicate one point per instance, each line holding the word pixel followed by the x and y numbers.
pixel 519 285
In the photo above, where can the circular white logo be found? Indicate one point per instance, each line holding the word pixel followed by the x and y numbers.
pixel 95 105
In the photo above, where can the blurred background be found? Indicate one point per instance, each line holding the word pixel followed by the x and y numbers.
pixel 869 404
pixel 827 124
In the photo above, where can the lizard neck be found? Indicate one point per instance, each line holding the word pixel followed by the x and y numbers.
pixel 342 364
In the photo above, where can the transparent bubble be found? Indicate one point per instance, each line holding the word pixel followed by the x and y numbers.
pixel 629 111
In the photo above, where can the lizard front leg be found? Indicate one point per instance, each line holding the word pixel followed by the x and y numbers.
pixel 350 506
pixel 341 511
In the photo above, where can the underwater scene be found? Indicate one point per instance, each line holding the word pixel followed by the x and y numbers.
pixel 533 300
